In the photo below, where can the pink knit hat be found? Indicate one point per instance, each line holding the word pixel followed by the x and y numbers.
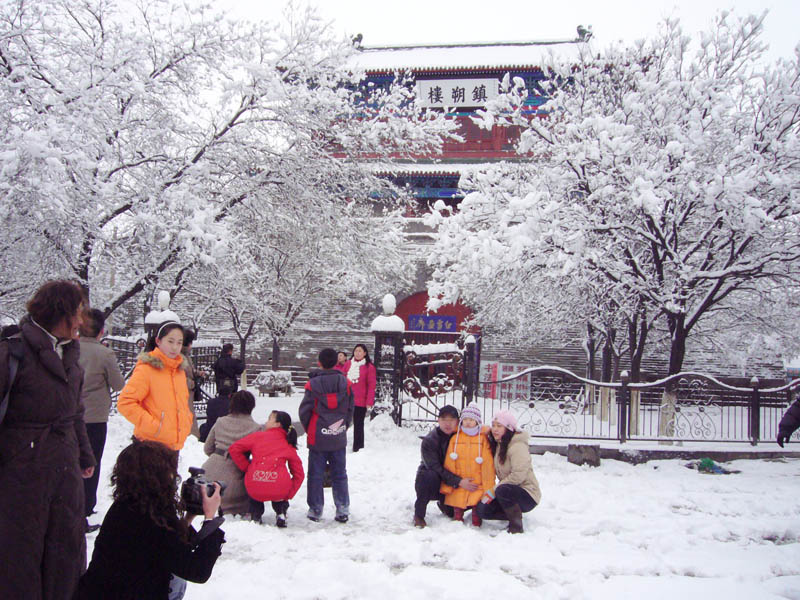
pixel 472 411
pixel 506 419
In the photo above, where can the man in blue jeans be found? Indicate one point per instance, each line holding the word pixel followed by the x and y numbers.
pixel 326 412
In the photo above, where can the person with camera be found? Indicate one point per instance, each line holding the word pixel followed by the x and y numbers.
pixel 146 547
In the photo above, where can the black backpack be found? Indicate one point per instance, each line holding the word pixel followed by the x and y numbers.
pixel 14 357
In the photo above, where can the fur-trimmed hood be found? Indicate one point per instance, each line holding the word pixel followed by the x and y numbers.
pixel 157 359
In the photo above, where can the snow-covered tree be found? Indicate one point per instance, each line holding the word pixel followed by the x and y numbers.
pixel 131 131
pixel 666 169
pixel 279 264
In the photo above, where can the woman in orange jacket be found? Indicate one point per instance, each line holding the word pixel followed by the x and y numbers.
pixel 156 399
pixel 469 456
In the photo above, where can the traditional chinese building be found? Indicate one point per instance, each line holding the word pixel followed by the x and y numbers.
pixel 459 79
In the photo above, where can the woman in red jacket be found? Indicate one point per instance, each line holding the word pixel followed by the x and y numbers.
pixel 360 372
pixel 266 475
pixel 341 361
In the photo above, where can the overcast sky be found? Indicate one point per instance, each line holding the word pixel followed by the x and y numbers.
pixel 417 21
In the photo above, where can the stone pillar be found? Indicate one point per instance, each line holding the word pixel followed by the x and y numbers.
pixel 389 330
pixel 155 318
pixel 470 372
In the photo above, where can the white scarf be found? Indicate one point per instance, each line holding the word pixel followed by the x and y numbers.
pixel 354 371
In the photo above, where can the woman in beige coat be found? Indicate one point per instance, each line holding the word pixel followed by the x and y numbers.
pixel 517 490
pixel 219 466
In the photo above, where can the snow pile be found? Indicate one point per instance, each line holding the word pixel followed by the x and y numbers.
pixel 656 530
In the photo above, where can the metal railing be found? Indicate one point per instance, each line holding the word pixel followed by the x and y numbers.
pixel 551 402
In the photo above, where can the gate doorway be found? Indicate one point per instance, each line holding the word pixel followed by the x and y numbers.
pixel 419 372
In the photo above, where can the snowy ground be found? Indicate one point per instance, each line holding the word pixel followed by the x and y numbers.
pixel 656 530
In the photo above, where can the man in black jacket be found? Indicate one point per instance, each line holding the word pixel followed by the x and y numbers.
pixel 431 472
pixel 789 423
pixel 227 371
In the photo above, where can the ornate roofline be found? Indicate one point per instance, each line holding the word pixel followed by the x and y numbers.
pixel 470 45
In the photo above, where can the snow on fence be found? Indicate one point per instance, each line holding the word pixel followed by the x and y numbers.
pixel 557 403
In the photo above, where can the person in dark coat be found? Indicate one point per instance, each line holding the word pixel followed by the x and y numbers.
pixel 44 450
pixel 789 423
pixel 431 472
pixel 326 412
pixel 227 371
pixel 217 407
pixel 146 548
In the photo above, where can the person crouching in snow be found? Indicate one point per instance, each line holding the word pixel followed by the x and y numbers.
pixel 469 456
pixel 518 491
pixel 267 477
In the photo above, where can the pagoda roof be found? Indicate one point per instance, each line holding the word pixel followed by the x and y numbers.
pixel 464 57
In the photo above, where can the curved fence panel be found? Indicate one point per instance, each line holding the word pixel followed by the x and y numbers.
pixel 551 402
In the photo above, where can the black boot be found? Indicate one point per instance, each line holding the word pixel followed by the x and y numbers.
pixel 514 515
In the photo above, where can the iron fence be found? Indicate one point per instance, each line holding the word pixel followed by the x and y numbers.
pixel 432 375
pixel 551 402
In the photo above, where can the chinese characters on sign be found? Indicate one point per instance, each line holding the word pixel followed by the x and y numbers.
pixel 516 389
pixel 453 93
pixel 439 324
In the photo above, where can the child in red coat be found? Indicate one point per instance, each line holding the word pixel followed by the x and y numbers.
pixel 266 475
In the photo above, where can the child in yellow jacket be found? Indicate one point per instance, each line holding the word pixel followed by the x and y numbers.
pixel 469 456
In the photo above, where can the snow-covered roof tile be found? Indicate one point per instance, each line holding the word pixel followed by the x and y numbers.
pixel 461 57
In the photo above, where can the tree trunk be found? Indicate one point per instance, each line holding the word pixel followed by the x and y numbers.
pixel 667 414
pixel 591 351
pixel 276 354
pixel 637 336
pixel 608 355
pixel 243 357
pixel 243 349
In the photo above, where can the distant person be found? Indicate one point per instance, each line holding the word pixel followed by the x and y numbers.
pixel 274 471
pixel 469 455
pixel 227 371
pixel 146 547
pixel 44 451
pixel 156 397
pixel 192 377
pixel 517 490
pixel 326 412
pixel 789 423
pixel 217 407
pixel 341 361
pixel 431 472
pixel 220 465
pixel 360 372
pixel 100 375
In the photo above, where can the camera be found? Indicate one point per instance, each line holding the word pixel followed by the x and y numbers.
pixel 193 488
